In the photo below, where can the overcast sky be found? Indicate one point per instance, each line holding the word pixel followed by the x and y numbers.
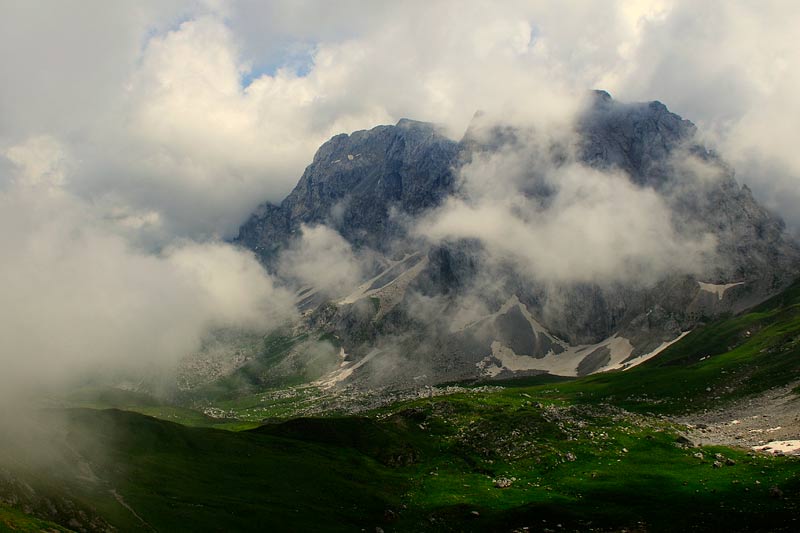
pixel 184 115
pixel 134 136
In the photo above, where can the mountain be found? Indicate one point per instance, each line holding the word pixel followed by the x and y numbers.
pixel 405 324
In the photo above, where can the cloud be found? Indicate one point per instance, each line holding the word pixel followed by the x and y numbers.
pixel 80 299
pixel 41 162
pixel 198 111
pixel 563 222
pixel 733 68
pixel 65 64
pixel 322 259
pixel 201 148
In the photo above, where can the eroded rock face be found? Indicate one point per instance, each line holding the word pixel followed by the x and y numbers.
pixel 369 184
pixel 362 185
pixel 637 138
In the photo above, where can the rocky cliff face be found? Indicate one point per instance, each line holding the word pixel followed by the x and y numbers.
pixel 362 185
pixel 370 184
pixel 636 138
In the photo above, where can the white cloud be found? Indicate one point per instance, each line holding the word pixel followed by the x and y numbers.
pixel 40 162
pixel 731 67
pixel 322 259
pixel 202 119
pixel 594 227
pixel 80 298
pixel 202 149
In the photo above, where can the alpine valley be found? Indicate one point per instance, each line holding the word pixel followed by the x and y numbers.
pixel 475 347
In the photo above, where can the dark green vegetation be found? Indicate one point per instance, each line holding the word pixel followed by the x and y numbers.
pixel 422 466
pixel 578 455
pixel 13 520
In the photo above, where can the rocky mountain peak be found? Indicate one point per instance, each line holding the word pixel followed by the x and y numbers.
pixel 356 183
pixel 637 138
pixel 370 184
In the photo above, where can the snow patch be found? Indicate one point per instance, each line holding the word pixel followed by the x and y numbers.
pixel 663 346
pixel 345 369
pixel 717 289
pixel 562 364
pixel 567 362
pixel 780 446
pixel 392 290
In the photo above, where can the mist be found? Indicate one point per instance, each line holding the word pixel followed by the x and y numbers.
pixel 322 259
pixel 82 300
pixel 533 204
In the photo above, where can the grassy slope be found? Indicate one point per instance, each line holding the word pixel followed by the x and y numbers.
pixel 14 520
pixel 583 467
pixel 180 478
pixel 431 463
pixel 144 473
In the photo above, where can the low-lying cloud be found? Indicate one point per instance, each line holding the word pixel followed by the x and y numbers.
pixel 556 219
pixel 80 299
pixel 321 259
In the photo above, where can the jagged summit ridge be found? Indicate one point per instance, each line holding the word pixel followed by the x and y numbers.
pixel 354 183
pixel 360 183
